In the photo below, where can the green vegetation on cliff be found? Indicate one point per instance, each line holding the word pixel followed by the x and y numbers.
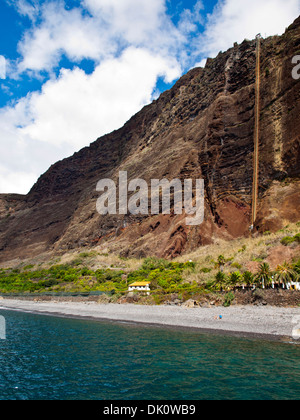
pixel 244 263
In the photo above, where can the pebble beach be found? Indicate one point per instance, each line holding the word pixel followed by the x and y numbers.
pixel 260 322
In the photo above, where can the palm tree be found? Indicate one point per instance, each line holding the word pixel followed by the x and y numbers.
pixel 248 278
pixel 264 276
pixel 220 281
pixel 235 278
pixel 286 274
pixel 297 267
pixel 221 263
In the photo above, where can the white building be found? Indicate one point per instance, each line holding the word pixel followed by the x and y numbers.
pixel 142 286
pixel 293 285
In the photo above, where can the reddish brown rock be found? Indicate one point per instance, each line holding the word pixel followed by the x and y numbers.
pixel 201 128
pixel 281 254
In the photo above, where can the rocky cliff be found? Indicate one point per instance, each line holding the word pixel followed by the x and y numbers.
pixel 202 128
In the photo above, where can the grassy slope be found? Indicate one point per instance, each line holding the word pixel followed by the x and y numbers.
pixel 95 271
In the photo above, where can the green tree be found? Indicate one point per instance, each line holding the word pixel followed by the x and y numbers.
pixel 248 278
pixel 286 274
pixel 297 267
pixel 221 263
pixel 235 278
pixel 264 275
pixel 220 281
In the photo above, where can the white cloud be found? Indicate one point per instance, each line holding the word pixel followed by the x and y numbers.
pixel 62 32
pixel 191 19
pixel 25 7
pixel 23 159
pixel 113 25
pixel 135 20
pixel 14 181
pixel 234 20
pixel 110 27
pixel 132 43
pixel 74 110
pixel 77 108
pixel 2 67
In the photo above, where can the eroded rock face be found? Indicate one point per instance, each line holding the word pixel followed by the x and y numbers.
pixel 201 128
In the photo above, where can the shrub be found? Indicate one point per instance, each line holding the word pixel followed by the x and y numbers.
pixel 297 237
pixel 243 249
pixel 154 263
pixel 76 262
pixel 48 283
pixel 205 270
pixel 28 267
pixel 296 267
pixel 236 265
pixel 86 272
pixel 287 240
pixel 84 255
pixel 68 278
pixel 228 299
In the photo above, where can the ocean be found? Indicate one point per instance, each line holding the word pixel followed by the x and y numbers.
pixel 51 358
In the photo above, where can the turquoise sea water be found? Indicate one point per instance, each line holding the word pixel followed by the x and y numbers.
pixel 58 358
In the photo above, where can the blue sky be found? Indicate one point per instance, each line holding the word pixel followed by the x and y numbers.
pixel 73 70
pixel 14 25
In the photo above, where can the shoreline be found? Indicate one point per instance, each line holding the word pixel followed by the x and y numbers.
pixel 262 323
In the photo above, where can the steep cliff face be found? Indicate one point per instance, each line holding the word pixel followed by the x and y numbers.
pixel 202 128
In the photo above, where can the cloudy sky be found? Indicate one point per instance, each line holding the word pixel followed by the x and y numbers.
pixel 73 70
